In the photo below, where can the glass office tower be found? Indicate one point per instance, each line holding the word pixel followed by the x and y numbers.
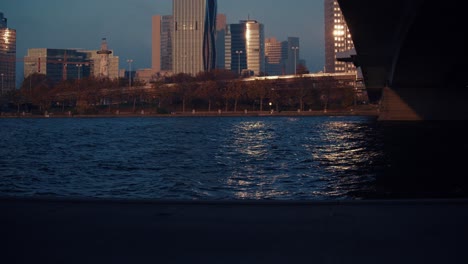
pixel 273 57
pixel 194 36
pixel 7 56
pixel 166 43
pixel 245 47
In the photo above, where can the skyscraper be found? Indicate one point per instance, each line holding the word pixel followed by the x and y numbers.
pixel 166 43
pixel 337 39
pixel 162 43
pixel 194 36
pixel 221 23
pixel 245 47
pixel 156 43
pixel 7 56
pixel 273 57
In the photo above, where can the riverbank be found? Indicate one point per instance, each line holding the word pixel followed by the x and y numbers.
pixel 105 231
pixel 371 113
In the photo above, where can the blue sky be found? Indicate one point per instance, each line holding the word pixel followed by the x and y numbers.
pixel 127 24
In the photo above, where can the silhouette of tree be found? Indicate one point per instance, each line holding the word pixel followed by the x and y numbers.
pixel 208 91
pixel 257 90
pixel 185 91
pixel 234 91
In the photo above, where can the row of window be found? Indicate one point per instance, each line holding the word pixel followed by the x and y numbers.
pixel 186 26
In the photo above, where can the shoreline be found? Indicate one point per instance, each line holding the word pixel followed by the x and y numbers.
pixel 204 114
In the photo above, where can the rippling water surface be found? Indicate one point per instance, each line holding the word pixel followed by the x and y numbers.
pixel 207 158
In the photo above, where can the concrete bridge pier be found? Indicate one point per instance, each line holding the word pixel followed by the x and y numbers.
pixel 393 108
pixel 430 104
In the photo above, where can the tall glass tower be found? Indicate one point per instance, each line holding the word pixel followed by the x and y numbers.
pixel 166 43
pixel 245 47
pixel 194 36
pixel 7 56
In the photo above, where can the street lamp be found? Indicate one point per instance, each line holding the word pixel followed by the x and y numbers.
pixel 2 83
pixel 295 59
pixel 79 67
pixel 130 73
pixel 238 52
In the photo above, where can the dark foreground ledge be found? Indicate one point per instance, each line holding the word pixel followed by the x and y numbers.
pixel 90 231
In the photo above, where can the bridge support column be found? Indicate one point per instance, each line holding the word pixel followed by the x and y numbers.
pixel 394 108
pixel 413 104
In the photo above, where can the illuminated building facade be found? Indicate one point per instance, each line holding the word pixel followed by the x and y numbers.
pixel 7 56
pixel 245 47
pixel 95 58
pixel 273 57
pixel 337 39
pixel 59 64
pixel 194 36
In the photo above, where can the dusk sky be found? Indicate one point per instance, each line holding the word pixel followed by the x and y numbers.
pixel 127 24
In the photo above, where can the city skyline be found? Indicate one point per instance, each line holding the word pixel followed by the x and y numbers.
pixel 127 25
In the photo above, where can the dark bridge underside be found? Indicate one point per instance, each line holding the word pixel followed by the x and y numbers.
pixel 415 47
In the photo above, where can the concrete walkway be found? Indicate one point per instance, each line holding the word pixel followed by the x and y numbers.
pixel 77 231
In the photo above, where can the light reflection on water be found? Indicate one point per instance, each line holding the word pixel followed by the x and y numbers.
pixel 190 158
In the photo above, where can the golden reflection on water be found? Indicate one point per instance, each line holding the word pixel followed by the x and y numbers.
pixel 251 138
pixel 342 149
pixel 328 161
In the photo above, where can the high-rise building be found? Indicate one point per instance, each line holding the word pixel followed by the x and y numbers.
pixel 156 43
pixel 162 43
pixel 7 56
pixel 194 36
pixel 59 64
pixel 167 27
pixel 337 39
pixel 245 47
pixel 221 22
pixel 273 57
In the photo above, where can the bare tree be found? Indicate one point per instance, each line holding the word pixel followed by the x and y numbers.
pixel 258 90
pixel 208 90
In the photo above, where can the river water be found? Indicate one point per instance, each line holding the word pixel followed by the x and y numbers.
pixel 224 158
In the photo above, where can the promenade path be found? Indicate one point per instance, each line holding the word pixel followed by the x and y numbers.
pixel 101 231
